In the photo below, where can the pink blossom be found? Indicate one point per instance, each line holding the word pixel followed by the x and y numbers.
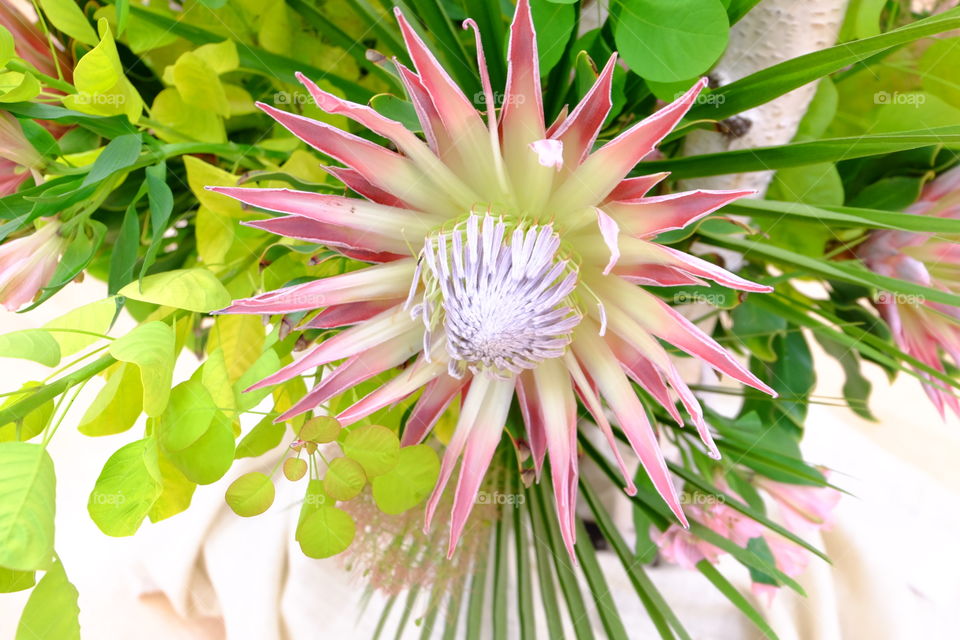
pixel 27 264
pixel 506 253
pixel 928 331
pixel 802 507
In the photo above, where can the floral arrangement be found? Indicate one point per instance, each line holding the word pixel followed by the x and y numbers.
pixel 403 251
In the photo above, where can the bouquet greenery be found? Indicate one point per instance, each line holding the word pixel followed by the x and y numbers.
pixel 403 250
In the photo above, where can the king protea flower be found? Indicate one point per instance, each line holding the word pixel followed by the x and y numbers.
pixel 506 254
pixel 928 331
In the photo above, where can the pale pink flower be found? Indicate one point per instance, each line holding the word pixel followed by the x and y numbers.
pixel 506 256
pixel 681 547
pixel 802 507
pixel 928 331
pixel 17 155
pixel 27 264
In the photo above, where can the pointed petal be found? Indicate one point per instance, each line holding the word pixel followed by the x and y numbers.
pixel 360 185
pixel 356 369
pixel 435 399
pixel 657 275
pixel 602 367
pixel 379 282
pixel 635 252
pixel 480 445
pixel 561 118
pixel 388 170
pixel 555 398
pixel 585 389
pixel 647 217
pixel 590 183
pixel 533 418
pixel 375 248
pixel 391 324
pixel 342 315
pixel 338 210
pixel 633 188
pixel 406 382
pixel 665 322
pixel 405 140
pixel 580 130
pixel 427 114
pixel 610 231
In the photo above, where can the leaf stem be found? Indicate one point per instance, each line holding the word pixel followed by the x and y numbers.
pixel 19 410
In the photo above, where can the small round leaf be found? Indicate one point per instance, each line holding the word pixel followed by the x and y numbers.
pixel 320 429
pixel 325 532
pixel 344 480
pixel 376 448
pixel 250 495
pixel 408 483
pixel 294 468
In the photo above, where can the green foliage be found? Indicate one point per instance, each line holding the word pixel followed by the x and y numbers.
pixel 128 184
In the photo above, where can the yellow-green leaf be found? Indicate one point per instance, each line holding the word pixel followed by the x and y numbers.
pixel 93 318
pixel 150 347
pixel 52 610
pixel 127 488
pixel 28 487
pixel 250 495
pixel 31 344
pixel 67 17
pixel 199 85
pixel 376 448
pixel 344 479
pixel 117 406
pixel 325 532
pixel 191 289
pixel 18 87
pixel 407 484
pixel 102 87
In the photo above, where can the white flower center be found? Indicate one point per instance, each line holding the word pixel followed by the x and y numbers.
pixel 503 296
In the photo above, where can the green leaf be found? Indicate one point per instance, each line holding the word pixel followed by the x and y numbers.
pixel 52 610
pixel 102 87
pixel 796 154
pixel 241 337
pixel 177 491
pixel 734 596
pixel 125 250
pixel 160 198
pixel 191 289
pixel 553 23
pixel 344 479
pixel 250 495
pixel 408 483
pixel 938 69
pixel 199 85
pixel 266 435
pixel 325 532
pixel 150 347
pixel 117 406
pixel 275 66
pixel 765 85
pixel 119 154
pixel 27 506
pixel 668 42
pixel 295 468
pixel 321 429
pixel 31 344
pixel 31 424
pixel 77 325
pixel 12 580
pixel 376 448
pixel 196 436
pixel 126 489
pixel 7 46
pixel 17 87
pixel 756 328
pixel 66 16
